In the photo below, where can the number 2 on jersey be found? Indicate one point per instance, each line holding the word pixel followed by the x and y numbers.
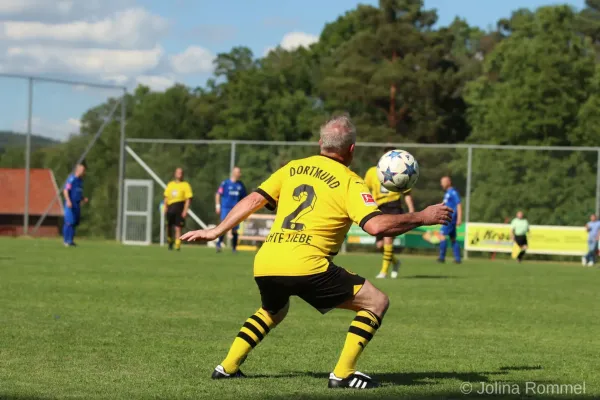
pixel 310 198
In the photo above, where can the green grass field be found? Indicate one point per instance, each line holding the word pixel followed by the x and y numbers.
pixel 104 321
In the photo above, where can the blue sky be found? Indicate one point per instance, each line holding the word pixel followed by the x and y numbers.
pixel 156 42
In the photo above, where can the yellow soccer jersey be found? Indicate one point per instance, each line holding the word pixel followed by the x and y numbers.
pixel 380 193
pixel 317 200
pixel 177 192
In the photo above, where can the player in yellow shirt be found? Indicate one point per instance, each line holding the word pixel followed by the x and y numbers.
pixel 317 200
pixel 178 195
pixel 389 203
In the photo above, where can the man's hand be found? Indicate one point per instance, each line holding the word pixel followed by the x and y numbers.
pixel 203 235
pixel 436 214
pixel 218 209
pixel 85 200
pixel 69 204
pixel 184 214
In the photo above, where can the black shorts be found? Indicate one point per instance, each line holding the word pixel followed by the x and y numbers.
pixel 324 291
pixel 521 240
pixel 394 208
pixel 174 212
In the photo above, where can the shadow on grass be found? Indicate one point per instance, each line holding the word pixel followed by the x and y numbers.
pixel 23 397
pixel 397 378
pixel 465 385
pixel 429 277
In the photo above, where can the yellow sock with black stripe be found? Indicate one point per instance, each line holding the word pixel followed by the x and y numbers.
pixel 177 244
pixel 361 331
pixel 388 258
pixel 252 333
pixel 169 240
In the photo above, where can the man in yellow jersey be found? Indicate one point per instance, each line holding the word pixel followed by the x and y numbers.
pixel 317 200
pixel 389 203
pixel 178 195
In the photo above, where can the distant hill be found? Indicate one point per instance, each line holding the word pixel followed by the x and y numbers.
pixel 12 139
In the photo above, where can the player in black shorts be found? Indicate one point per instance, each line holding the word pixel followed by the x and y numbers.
pixel 317 200
pixel 519 227
pixel 178 195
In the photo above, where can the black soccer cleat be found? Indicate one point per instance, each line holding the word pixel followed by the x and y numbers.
pixel 440 261
pixel 357 380
pixel 219 373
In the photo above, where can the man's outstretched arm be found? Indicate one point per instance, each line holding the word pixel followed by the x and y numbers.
pixel 393 225
pixel 242 210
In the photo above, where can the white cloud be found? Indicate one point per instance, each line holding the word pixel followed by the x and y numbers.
pixel 74 123
pixel 59 10
pixel 130 28
pixel 111 41
pixel 36 59
pixel 12 7
pixel 293 40
pixel 55 130
pixel 156 83
pixel 193 60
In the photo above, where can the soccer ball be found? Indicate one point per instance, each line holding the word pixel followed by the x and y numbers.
pixel 397 170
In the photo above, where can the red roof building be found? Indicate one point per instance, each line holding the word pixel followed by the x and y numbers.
pixel 43 191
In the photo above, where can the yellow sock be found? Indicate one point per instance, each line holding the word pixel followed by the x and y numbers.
pixel 252 333
pixel 177 244
pixel 361 331
pixel 388 257
pixel 169 239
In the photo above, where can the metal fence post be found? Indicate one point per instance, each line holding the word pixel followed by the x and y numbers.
pixel 121 169
pixel 232 158
pixel 468 198
pixel 598 185
pixel 40 220
pixel 28 157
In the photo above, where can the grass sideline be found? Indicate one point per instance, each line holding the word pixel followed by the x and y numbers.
pixel 104 321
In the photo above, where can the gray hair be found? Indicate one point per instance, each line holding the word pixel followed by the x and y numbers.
pixel 338 134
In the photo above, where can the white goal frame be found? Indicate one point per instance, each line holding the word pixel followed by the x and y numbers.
pixel 147 213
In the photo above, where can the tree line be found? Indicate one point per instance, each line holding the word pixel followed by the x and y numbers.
pixel 534 79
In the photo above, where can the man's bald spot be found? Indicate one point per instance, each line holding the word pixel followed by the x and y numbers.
pixel 337 135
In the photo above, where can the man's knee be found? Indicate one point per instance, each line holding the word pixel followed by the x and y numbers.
pixel 384 303
pixel 372 299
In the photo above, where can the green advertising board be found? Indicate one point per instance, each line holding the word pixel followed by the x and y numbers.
pixel 426 237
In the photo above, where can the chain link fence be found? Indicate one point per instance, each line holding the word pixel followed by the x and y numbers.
pixel 552 185
pixel 52 124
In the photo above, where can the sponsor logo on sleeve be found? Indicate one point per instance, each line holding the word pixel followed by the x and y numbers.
pixel 368 199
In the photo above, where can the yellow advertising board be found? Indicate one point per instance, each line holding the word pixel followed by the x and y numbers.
pixel 542 239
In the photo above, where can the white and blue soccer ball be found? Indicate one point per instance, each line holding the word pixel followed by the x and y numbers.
pixel 397 170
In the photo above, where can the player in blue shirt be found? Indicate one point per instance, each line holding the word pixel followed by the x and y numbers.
pixel 593 228
pixel 452 200
pixel 73 192
pixel 230 192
